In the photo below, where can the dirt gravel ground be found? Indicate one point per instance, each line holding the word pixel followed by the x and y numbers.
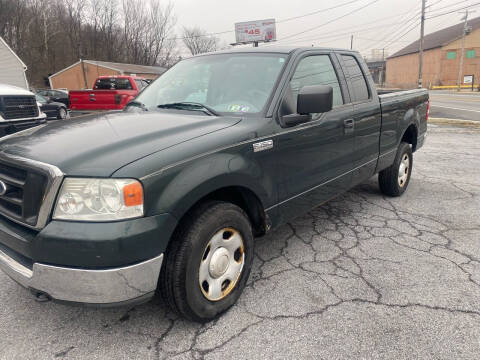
pixel 363 276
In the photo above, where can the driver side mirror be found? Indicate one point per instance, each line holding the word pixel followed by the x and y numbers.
pixel 312 99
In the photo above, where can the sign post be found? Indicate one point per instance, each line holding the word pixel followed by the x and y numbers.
pixel 253 32
pixel 469 79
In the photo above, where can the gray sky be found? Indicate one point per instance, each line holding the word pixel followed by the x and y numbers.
pixel 378 25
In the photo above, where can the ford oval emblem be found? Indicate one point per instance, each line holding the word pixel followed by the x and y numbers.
pixel 3 188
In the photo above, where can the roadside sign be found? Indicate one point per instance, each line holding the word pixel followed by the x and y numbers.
pixel 468 79
pixel 255 31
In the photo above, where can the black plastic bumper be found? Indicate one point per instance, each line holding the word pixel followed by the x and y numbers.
pixel 89 245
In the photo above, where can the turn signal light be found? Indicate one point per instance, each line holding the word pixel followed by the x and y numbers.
pixel 133 194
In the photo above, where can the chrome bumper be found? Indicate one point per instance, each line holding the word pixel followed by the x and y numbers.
pixel 107 286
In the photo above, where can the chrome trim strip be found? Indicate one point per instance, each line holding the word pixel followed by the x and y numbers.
pixel 388 153
pixel 317 186
pixel 87 286
pixel 55 177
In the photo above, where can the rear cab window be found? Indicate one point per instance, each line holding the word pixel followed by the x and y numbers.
pixel 358 82
pixel 113 84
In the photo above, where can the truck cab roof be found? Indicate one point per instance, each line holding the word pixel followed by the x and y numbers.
pixel 120 77
pixel 277 49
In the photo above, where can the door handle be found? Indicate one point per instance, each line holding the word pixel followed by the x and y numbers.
pixel 348 123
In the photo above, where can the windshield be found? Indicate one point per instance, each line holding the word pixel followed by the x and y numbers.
pixel 226 83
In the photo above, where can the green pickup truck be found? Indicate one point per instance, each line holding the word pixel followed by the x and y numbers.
pixel 170 193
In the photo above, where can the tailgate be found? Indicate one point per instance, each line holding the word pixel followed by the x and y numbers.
pixel 95 100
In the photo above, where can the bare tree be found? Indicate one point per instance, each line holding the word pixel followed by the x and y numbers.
pixel 49 35
pixel 198 42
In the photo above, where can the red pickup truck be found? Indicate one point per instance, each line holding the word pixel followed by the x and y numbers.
pixel 108 93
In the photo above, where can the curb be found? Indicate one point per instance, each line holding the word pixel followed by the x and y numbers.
pixel 458 122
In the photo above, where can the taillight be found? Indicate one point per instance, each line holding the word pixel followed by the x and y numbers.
pixel 428 110
pixel 118 99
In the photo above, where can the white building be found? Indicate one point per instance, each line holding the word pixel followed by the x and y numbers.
pixel 12 68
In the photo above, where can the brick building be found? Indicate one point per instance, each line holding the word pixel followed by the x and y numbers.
pixel 83 73
pixel 441 58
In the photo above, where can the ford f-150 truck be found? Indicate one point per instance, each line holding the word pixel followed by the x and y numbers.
pixel 19 110
pixel 171 192
pixel 108 93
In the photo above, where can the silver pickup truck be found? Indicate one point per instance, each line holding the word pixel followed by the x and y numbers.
pixel 19 110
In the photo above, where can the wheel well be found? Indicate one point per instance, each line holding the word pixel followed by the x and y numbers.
pixel 244 198
pixel 410 136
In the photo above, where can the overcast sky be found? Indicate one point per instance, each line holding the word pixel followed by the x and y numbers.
pixel 381 23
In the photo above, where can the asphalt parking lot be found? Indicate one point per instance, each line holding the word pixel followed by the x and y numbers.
pixel 363 276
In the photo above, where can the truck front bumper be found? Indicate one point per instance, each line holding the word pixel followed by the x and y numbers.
pixel 100 287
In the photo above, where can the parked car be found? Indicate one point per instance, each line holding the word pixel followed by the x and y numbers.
pixel 56 95
pixel 53 110
pixel 18 110
pixel 171 191
pixel 108 93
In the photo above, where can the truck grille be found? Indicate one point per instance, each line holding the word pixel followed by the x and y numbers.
pixel 21 192
pixel 18 107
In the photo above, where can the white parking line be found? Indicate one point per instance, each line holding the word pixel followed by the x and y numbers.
pixel 452 108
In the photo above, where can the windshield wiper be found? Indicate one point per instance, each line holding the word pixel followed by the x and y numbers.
pixel 189 106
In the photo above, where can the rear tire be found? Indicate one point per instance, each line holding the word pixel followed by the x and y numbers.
pixel 62 114
pixel 394 180
pixel 208 261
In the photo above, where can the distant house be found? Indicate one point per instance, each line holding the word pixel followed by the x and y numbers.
pixel 441 58
pixel 12 68
pixel 83 73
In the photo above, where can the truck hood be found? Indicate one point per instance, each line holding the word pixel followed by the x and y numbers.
pixel 99 145
pixel 13 90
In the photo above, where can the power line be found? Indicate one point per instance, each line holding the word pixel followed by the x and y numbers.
pixel 452 11
pixel 405 33
pixel 317 12
pixel 404 24
pixel 447 6
pixel 278 22
pixel 356 29
pixel 329 22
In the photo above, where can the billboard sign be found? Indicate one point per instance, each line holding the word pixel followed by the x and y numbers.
pixel 259 30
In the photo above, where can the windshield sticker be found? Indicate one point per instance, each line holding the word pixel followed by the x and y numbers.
pixel 234 108
pixel 238 108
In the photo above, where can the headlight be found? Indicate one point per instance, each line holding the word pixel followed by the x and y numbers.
pixel 87 199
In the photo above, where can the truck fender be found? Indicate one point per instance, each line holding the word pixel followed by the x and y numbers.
pixel 198 179
pixel 411 117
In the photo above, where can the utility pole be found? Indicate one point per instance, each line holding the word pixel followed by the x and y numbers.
pixel 382 71
pixel 464 34
pixel 420 53
pixel 351 42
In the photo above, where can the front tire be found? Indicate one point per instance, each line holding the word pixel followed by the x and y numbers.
pixel 394 180
pixel 208 261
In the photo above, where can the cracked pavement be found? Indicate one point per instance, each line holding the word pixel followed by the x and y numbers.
pixel 363 276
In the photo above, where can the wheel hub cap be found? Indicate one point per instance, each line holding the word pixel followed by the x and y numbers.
pixel 403 170
pixel 219 262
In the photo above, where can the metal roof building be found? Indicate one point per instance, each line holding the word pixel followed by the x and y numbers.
pixel 441 59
